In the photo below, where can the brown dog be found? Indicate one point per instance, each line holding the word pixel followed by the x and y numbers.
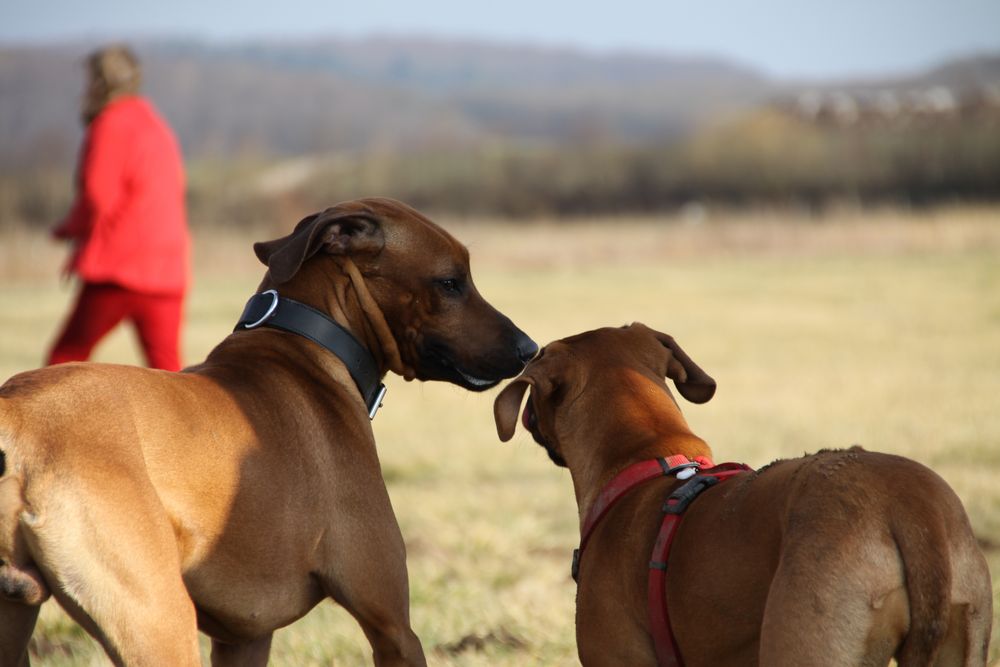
pixel 236 495
pixel 840 558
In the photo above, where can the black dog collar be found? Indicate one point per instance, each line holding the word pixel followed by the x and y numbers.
pixel 270 310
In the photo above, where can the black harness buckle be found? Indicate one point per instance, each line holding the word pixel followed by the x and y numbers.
pixel 679 500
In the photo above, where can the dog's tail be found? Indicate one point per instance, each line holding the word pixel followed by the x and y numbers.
pixel 923 547
pixel 20 580
pixel 947 579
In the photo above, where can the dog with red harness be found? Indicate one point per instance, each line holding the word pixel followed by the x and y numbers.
pixel 842 557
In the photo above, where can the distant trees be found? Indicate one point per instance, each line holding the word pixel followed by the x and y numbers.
pixel 767 156
pixel 764 157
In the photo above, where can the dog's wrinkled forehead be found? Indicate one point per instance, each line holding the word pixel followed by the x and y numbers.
pixel 408 230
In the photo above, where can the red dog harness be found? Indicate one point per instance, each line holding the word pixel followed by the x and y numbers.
pixel 684 469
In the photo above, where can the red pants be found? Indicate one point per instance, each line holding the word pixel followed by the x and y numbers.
pixel 101 306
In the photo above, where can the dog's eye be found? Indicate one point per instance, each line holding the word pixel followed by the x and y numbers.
pixel 450 286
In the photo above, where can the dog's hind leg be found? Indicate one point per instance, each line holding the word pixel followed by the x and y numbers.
pixel 820 611
pixel 17 621
pixel 967 639
pixel 966 642
pixel 112 562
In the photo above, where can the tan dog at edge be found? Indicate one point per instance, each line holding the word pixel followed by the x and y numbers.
pixel 842 558
pixel 236 495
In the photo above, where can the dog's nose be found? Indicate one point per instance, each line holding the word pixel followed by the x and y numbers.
pixel 526 348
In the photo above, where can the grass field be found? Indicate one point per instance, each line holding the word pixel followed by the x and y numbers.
pixel 879 328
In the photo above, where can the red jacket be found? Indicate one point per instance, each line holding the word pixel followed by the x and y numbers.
pixel 129 219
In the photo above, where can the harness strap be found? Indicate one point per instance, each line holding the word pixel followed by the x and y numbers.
pixel 667 654
pixel 676 503
pixel 623 482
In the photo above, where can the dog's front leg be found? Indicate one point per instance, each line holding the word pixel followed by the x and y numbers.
pixel 366 574
pixel 17 621
pixel 247 654
pixel 375 590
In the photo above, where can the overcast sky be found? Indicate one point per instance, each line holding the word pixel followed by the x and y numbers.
pixel 786 38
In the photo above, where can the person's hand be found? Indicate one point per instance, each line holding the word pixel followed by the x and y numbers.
pixel 68 267
pixel 58 233
pixel 66 272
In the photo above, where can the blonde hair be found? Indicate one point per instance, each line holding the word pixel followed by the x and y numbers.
pixel 112 71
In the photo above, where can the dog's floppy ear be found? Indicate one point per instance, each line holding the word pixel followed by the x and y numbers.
pixel 693 383
pixel 337 230
pixel 507 406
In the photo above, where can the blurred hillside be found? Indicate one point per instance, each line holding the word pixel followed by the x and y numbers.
pixel 281 99
pixel 274 128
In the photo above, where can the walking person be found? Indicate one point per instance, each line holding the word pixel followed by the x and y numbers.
pixel 128 223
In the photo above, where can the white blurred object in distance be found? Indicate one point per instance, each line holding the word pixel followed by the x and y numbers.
pixel 693 213
pixel 844 107
pixel 941 100
pixel 936 100
pixel 287 175
pixel 809 104
pixel 887 104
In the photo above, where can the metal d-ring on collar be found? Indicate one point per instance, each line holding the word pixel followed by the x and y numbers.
pixel 271 310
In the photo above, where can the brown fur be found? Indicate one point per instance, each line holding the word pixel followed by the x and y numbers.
pixel 839 558
pixel 237 494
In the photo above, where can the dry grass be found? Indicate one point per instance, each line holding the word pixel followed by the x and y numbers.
pixel 878 328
